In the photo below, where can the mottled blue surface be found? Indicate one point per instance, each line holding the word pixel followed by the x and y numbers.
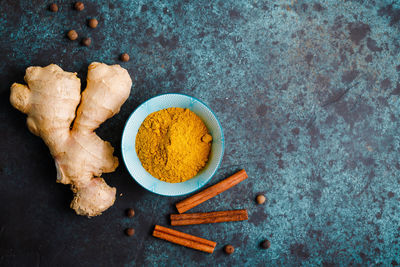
pixel 308 96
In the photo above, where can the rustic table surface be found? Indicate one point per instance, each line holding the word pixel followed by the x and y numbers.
pixel 308 96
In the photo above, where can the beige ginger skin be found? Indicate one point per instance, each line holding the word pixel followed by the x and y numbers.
pixel 50 99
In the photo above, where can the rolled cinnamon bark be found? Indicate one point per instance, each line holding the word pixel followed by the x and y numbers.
pixel 209 217
pixel 184 239
pixel 211 192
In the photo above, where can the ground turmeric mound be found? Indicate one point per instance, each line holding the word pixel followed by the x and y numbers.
pixel 173 144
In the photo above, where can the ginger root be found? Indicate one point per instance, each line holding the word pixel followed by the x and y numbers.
pixel 50 100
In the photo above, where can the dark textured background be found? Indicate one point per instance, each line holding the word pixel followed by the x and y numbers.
pixel 308 96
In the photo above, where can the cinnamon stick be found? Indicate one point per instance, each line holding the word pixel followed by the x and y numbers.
pixel 184 239
pixel 211 192
pixel 209 217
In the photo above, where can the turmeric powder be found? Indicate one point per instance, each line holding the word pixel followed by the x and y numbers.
pixel 173 144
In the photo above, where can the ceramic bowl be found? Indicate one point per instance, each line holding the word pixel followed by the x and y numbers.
pixel 133 163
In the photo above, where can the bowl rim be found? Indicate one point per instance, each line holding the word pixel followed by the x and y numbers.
pixel 222 144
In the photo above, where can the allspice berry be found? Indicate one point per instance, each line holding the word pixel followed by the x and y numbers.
pixel 125 57
pixel 72 35
pixel 79 6
pixel 266 244
pixel 260 199
pixel 93 23
pixel 53 7
pixel 130 213
pixel 229 249
pixel 129 231
pixel 86 41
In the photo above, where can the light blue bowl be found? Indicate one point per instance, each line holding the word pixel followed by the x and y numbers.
pixel 133 163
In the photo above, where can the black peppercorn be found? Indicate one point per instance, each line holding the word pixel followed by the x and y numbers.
pixel 130 213
pixel 260 199
pixel 79 6
pixel 53 7
pixel 86 41
pixel 125 57
pixel 93 23
pixel 72 35
pixel 266 244
pixel 129 231
pixel 229 249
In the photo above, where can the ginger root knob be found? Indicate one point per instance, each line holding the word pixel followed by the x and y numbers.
pixel 50 99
